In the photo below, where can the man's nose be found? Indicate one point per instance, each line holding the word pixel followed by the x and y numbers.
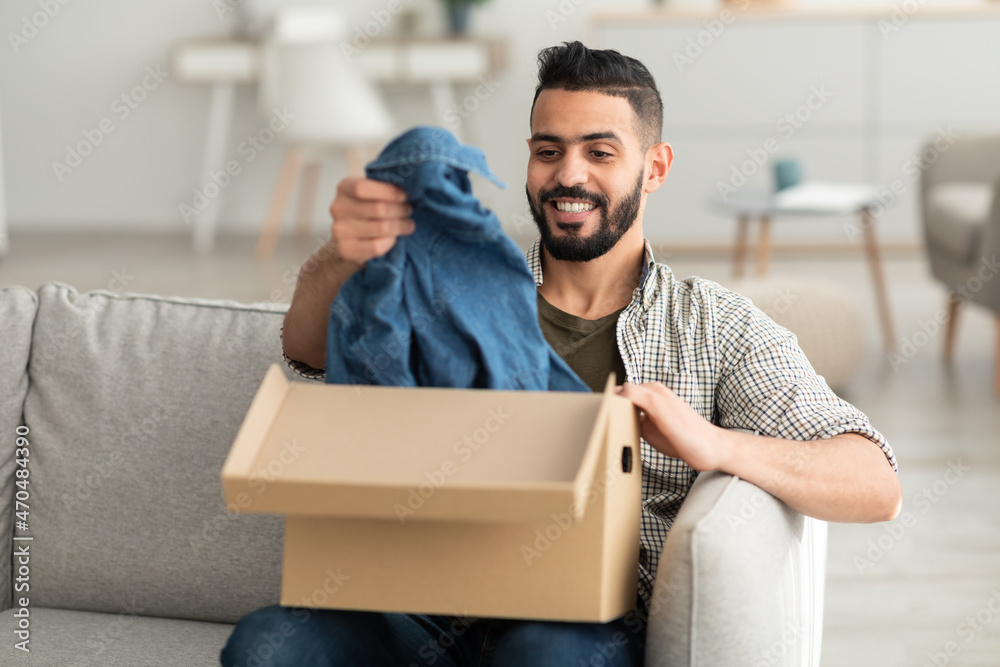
pixel 572 170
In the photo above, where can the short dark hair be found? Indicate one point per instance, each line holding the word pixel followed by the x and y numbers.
pixel 572 66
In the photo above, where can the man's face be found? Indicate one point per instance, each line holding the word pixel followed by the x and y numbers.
pixel 585 172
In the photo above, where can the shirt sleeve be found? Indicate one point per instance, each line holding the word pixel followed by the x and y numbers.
pixel 767 384
pixel 300 367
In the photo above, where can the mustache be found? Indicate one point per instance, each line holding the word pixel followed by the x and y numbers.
pixel 575 192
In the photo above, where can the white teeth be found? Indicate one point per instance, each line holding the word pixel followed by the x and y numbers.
pixel 574 207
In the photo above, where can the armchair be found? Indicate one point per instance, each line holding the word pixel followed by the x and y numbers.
pixel 960 213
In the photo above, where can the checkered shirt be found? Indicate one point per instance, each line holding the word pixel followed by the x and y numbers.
pixel 727 360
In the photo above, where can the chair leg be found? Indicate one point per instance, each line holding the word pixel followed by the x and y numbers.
pixel 764 246
pixel 740 247
pixel 954 306
pixel 878 280
pixel 279 202
pixel 355 160
pixel 307 199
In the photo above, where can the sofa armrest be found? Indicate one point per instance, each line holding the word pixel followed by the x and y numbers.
pixel 740 582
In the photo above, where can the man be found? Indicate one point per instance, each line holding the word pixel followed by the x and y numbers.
pixel 697 358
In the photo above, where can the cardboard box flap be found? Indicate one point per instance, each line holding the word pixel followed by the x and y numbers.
pixel 422 453
pixel 250 438
pixel 585 477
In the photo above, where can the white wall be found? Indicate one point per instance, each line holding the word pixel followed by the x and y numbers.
pixel 68 76
pixel 876 93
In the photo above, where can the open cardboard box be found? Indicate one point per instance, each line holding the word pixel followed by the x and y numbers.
pixel 516 504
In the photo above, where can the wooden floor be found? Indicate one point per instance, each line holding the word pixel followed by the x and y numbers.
pixel 898 594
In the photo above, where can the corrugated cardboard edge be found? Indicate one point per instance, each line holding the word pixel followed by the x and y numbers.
pixel 623 513
pixel 595 449
pixel 266 404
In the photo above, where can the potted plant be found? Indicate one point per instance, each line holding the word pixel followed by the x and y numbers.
pixel 458 14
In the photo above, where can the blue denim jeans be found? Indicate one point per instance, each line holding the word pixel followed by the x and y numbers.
pixel 298 637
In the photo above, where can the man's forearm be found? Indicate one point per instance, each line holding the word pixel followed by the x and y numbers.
pixel 846 478
pixel 305 325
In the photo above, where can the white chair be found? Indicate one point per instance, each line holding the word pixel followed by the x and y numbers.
pixel 303 70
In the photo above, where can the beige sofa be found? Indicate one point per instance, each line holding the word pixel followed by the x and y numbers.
pixel 131 403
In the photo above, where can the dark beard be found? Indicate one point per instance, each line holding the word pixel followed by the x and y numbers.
pixel 613 224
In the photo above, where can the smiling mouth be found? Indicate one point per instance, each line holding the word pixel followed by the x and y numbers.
pixel 573 207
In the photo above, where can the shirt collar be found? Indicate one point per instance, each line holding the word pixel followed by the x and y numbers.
pixel 424 144
pixel 534 258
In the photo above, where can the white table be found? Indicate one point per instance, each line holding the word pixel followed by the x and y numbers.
pixel 223 64
pixel 810 199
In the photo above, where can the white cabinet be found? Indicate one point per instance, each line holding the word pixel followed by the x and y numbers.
pixel 842 92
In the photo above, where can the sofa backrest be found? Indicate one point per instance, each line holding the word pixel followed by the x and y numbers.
pixel 17 313
pixel 133 403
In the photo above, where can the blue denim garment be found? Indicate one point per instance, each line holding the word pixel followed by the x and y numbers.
pixel 453 304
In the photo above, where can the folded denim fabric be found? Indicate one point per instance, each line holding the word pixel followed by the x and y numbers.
pixel 454 303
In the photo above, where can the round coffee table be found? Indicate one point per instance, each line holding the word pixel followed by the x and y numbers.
pixel 811 198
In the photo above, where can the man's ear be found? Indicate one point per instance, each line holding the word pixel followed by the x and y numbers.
pixel 658 160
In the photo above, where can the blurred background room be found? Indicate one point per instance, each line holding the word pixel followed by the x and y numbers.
pixel 836 161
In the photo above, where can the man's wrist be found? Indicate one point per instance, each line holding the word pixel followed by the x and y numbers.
pixel 328 260
pixel 344 266
pixel 726 445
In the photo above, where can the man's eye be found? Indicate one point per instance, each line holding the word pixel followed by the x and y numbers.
pixel 547 152
pixel 600 154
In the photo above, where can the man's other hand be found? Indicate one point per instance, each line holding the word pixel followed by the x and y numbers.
pixel 673 427
pixel 843 478
pixel 368 217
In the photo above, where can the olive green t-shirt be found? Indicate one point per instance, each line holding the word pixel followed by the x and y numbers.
pixel 590 347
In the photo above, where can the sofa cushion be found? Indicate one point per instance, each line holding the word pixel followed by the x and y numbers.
pixel 17 315
pixel 62 638
pixel 956 216
pixel 134 403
